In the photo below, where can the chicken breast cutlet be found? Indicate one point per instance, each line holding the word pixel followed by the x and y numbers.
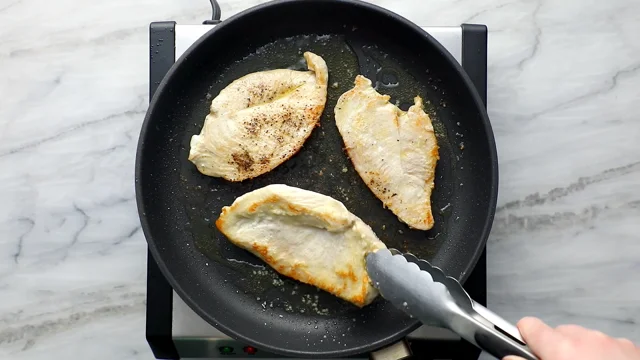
pixel 307 236
pixel 395 152
pixel 260 120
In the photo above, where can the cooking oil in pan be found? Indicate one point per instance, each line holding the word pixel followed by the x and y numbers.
pixel 321 166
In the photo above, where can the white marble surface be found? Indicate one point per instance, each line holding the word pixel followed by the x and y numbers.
pixel 564 89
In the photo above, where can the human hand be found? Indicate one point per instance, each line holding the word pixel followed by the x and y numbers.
pixel 572 342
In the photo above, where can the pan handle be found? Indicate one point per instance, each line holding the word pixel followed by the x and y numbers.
pixel 215 13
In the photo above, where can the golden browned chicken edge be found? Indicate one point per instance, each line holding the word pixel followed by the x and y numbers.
pixel 296 271
pixel 429 221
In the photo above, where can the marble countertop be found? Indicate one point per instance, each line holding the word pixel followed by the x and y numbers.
pixel 564 80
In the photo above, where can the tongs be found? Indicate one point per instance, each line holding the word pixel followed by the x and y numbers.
pixel 423 291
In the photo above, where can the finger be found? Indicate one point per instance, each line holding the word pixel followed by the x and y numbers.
pixel 512 357
pixel 572 331
pixel 581 334
pixel 543 340
pixel 533 330
pixel 627 343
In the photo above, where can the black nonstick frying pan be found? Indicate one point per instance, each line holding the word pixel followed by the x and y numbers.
pixel 233 290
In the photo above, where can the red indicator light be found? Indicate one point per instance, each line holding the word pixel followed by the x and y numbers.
pixel 250 350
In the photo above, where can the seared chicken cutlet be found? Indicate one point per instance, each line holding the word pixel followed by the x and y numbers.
pixel 307 236
pixel 395 152
pixel 260 120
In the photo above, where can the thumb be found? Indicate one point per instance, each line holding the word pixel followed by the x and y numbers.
pixel 512 357
pixel 542 339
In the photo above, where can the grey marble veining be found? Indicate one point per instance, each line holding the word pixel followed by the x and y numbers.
pixel 564 87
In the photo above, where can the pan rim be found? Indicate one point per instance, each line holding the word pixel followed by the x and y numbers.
pixel 142 210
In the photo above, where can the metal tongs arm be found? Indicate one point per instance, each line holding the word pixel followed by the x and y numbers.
pixel 424 292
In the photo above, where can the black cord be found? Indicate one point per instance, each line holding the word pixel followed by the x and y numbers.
pixel 215 13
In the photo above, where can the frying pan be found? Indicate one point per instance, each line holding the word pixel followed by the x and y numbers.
pixel 233 290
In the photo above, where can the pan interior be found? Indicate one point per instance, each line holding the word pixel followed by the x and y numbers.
pixel 230 287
